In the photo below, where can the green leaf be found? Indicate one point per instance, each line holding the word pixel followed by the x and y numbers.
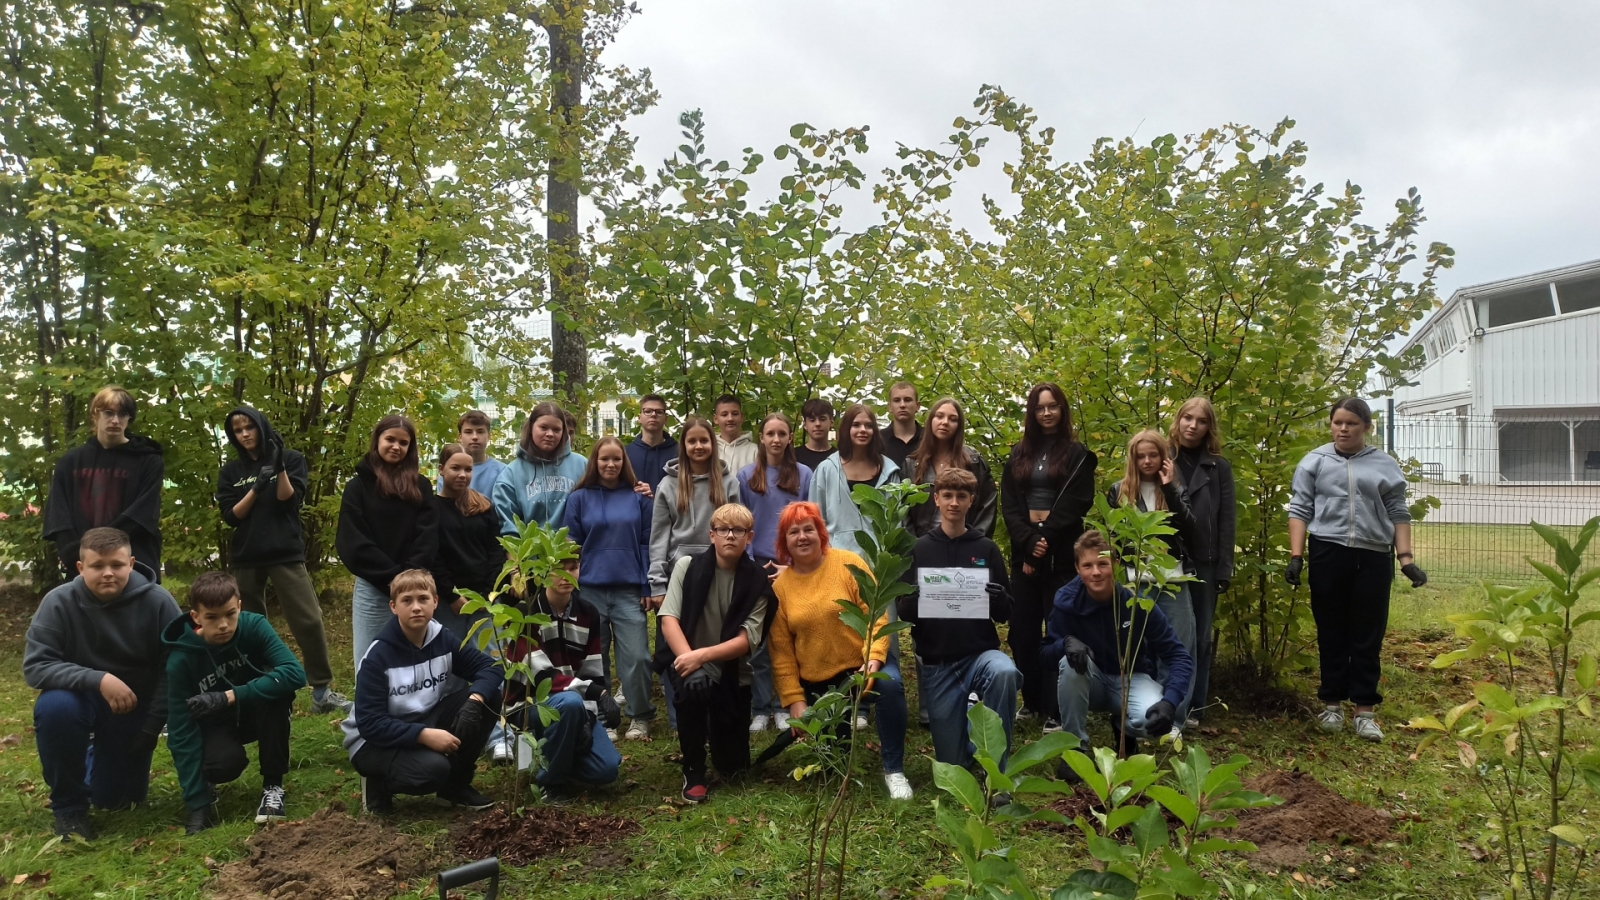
pixel 1587 672
pixel 959 783
pixel 1571 834
pixel 1176 803
pixel 1047 748
pixel 1150 830
pixel 1088 884
pixel 986 732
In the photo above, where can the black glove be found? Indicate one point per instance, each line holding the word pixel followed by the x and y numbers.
pixel 277 454
pixel 1291 573
pixel 995 589
pixel 268 473
pixel 1414 572
pixel 145 742
pixel 1222 585
pixel 610 712
pixel 204 706
pixel 698 684
pixel 1158 719
pixel 1079 655
pixel 470 720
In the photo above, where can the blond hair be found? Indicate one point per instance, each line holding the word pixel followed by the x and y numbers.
pixel 1213 443
pixel 412 580
pixel 1129 490
pixel 733 515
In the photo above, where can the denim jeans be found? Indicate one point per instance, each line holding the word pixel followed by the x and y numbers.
pixel 889 696
pixel 562 764
pixel 619 608
pixel 1178 607
pixel 79 771
pixel 944 689
pixel 1097 691
pixel 369 612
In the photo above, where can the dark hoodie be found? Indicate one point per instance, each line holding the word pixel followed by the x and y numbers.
pixel 255 664
pixel 75 639
pixel 381 536
pixel 121 488
pixel 270 535
pixel 398 684
pixel 650 463
pixel 941 641
pixel 1077 614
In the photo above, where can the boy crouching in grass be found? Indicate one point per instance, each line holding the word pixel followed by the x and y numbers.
pixel 410 733
pixel 230 681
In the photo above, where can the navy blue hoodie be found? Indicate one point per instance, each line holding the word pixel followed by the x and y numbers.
pixel 612 525
pixel 399 683
pixel 1077 614
pixel 650 463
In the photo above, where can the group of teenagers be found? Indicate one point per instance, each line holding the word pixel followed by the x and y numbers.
pixel 741 545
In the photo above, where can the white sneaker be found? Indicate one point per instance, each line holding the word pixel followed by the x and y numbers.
pixel 638 730
pixel 1366 727
pixel 1052 725
pixel 618 696
pixel 1332 718
pixel 899 786
pixel 861 722
pixel 759 724
pixel 780 721
pixel 612 734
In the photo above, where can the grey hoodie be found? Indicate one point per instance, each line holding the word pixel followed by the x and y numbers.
pixel 75 639
pixel 673 534
pixel 1354 501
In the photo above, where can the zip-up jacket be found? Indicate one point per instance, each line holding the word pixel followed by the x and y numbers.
pixel 255 665
pixel 768 507
pixel 118 488
pixel 1182 518
pixel 925 518
pixel 1354 501
pixel 535 489
pixel 650 463
pixel 1216 512
pixel 469 555
pixel 1075 614
pixel 830 491
pixel 399 683
pixel 612 525
pixel 381 536
pixel 941 641
pixel 270 534
pixel 1062 528
pixel 673 534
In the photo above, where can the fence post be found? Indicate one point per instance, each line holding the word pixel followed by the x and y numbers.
pixel 1388 428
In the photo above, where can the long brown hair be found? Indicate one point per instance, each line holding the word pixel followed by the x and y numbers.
pixel 932 452
pixel 470 503
pixel 847 446
pixel 1035 441
pixel 591 472
pixel 686 469
pixel 398 480
pixel 788 466
pixel 1213 443
pixel 1129 487
pixel 539 411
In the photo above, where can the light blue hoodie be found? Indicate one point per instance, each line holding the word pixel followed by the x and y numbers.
pixel 1355 501
pixel 534 489
pixel 830 491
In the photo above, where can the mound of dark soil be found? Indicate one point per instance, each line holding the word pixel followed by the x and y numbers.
pixel 1311 812
pixel 539 831
pixel 330 856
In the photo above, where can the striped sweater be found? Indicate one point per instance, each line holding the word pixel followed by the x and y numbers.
pixel 568 648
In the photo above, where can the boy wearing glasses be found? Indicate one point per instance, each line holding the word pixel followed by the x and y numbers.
pixel 653 448
pixel 112 480
pixel 717 609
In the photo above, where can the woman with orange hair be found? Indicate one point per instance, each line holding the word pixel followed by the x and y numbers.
pixel 814 651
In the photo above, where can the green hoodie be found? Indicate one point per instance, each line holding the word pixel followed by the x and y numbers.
pixel 255 665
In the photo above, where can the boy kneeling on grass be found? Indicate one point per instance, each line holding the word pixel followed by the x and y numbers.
pixel 410 733
pixel 230 681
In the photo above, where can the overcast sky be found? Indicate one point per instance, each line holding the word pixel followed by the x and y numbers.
pixel 1491 110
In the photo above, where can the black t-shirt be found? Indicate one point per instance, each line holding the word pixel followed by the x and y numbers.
pixel 812 458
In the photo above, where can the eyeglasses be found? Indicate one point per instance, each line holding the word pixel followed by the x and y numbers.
pixel 652 412
pixel 1050 408
pixel 730 532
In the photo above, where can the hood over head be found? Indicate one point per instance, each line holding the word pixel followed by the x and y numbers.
pixel 263 428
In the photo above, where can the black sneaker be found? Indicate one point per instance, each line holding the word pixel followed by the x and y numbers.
pixel 1051 725
pixel 75 823
pixel 375 797
pixel 1067 774
pixel 201 819
pixel 694 789
pixel 271 808
pixel 465 796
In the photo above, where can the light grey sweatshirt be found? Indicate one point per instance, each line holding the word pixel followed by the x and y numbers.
pixel 674 534
pixel 1355 501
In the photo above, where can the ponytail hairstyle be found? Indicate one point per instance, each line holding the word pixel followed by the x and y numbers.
pixel 788 467
pixel 470 503
pixel 1035 441
pixel 539 411
pixel 399 481
pixel 1212 443
pixel 847 445
pixel 1128 489
pixel 932 453
pixel 591 472
pixel 686 469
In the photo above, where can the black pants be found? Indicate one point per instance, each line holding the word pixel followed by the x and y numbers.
pixel 1350 602
pixel 722 719
pixel 222 756
pixel 419 770
pixel 1032 597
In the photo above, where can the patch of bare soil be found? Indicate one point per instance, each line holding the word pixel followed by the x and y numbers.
pixel 539 831
pixel 1311 812
pixel 330 856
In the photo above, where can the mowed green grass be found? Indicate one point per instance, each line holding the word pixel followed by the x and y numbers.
pixel 1463 555
pixel 750 841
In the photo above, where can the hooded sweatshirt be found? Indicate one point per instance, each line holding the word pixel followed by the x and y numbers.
pixel 738 453
pixel 941 641
pixel 612 525
pixel 535 489
pixel 830 491
pixel 75 639
pixel 1355 501
pixel 119 488
pixel 768 507
pixel 399 683
pixel 470 555
pixel 381 536
pixel 1076 614
pixel 270 535
pixel 650 463
pixel 673 534
pixel 255 664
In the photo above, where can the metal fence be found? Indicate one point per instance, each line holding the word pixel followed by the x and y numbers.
pixel 1492 476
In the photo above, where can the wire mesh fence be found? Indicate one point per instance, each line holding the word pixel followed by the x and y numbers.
pixel 1491 477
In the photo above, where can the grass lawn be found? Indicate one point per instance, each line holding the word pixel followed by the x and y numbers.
pixel 750 840
pixel 1456 554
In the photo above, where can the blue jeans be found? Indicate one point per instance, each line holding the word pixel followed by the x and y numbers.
pixel 619 609
pixel 83 750
pixel 889 696
pixel 1097 691
pixel 1178 607
pixel 369 612
pixel 992 676
pixel 562 763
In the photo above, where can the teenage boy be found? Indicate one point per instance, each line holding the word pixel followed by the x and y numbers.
pixel 653 448
pixel 112 480
pixel 578 748
pixel 816 420
pixel 230 682
pixel 960 649
pixel 734 447
pixel 473 431
pixel 714 615
pixel 902 435
pixel 94 652
pixel 414 729
pixel 1089 620
pixel 260 492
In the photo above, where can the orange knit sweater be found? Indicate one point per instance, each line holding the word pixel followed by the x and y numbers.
pixel 809 641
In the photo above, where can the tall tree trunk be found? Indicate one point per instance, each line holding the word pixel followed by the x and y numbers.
pixel 569 356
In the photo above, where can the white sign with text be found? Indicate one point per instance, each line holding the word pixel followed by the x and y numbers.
pixel 953 593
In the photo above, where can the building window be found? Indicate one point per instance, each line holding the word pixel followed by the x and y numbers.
pixel 1519 306
pixel 1535 451
pixel 1580 295
pixel 1586 450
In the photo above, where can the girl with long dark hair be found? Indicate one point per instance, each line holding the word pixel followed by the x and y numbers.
pixel 470 555
pixel 861 460
pixel 1208 486
pixel 944 445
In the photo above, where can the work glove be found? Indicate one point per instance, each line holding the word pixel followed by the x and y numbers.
pixel 1158 719
pixel 470 720
pixel 1414 572
pixel 1079 655
pixel 1291 573
pixel 698 684
pixel 277 454
pixel 1222 585
pixel 995 589
pixel 204 706
pixel 269 469
pixel 605 705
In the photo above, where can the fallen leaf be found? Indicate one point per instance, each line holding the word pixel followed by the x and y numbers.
pixel 1300 878
pixel 10 740
pixel 385 871
pixel 19 879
